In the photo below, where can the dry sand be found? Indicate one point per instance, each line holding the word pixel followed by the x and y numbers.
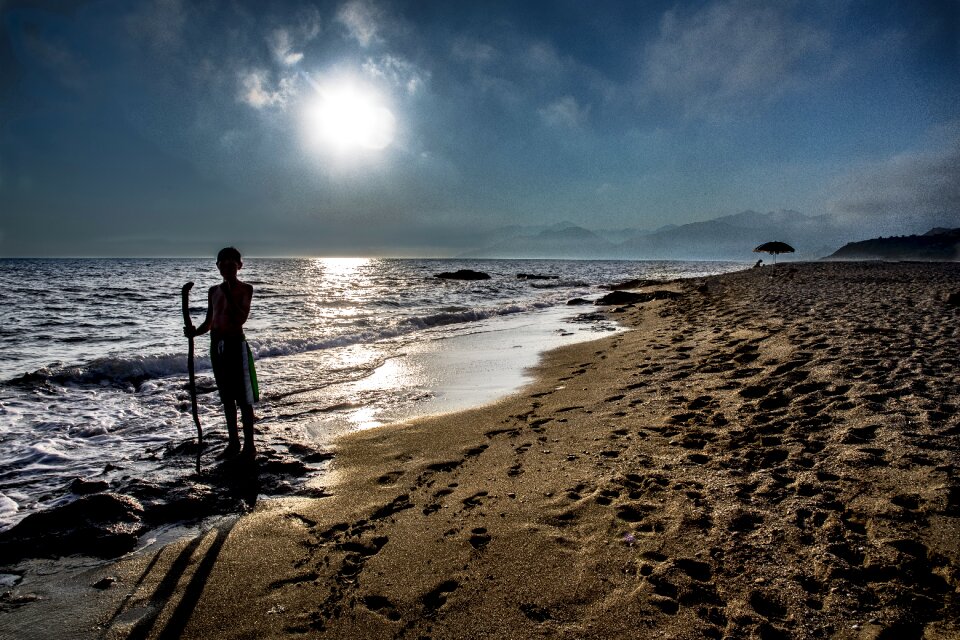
pixel 772 455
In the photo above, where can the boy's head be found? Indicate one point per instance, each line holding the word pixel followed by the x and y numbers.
pixel 229 253
pixel 229 262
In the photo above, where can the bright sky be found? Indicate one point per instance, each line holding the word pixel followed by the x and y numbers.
pixel 167 127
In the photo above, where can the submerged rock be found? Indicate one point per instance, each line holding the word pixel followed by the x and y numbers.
pixel 83 487
pixel 535 276
pixel 463 274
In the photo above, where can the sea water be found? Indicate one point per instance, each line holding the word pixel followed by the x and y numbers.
pixel 93 373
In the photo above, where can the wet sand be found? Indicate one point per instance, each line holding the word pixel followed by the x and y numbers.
pixel 771 455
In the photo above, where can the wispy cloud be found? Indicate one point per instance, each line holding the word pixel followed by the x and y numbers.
pixel 309 23
pixel 362 21
pixel 287 43
pixel 470 49
pixel 281 45
pixel 259 91
pixel 731 55
pixel 565 112
pixel 921 187
pixel 398 72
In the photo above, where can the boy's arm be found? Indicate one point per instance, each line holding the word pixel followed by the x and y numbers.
pixel 205 325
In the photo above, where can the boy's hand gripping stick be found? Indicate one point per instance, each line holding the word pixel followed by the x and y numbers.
pixel 188 324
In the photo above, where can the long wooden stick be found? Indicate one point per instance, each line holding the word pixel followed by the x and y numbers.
pixel 188 323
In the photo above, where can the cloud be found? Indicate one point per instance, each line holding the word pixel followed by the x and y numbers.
pixel 362 20
pixel 283 41
pixel 565 112
pixel 309 23
pixel 920 188
pixel 469 49
pixel 398 72
pixel 731 55
pixel 258 92
pixel 281 46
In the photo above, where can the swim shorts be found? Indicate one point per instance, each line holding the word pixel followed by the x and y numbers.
pixel 233 369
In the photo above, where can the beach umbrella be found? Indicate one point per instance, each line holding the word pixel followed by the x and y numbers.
pixel 774 248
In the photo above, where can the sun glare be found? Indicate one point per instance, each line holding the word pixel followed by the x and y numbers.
pixel 347 118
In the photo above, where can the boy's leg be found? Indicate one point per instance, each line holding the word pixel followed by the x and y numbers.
pixel 233 435
pixel 246 413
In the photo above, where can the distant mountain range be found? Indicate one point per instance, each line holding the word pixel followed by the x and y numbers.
pixel 730 237
pixel 935 245
pixel 563 240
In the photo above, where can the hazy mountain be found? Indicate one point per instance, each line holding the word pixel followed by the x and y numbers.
pixel 618 236
pixel 936 245
pixel 730 237
pixel 562 240
pixel 733 237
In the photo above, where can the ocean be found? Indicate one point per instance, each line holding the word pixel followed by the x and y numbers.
pixel 93 374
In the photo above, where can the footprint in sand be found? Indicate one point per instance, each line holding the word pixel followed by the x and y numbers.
pixel 437 597
pixel 475 500
pixel 381 605
pixel 390 477
pixel 479 538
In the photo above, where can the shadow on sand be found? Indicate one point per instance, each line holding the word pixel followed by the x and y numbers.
pixel 160 603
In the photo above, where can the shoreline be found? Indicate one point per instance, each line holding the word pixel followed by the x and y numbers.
pixel 771 455
pixel 452 373
pixel 439 374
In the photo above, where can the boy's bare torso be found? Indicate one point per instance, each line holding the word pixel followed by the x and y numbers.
pixel 229 307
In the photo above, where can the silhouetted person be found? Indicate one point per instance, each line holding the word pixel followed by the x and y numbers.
pixel 228 306
pixel 759 264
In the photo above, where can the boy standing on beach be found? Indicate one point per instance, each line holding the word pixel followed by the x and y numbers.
pixel 228 306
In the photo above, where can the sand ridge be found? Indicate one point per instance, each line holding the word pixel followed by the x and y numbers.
pixel 771 455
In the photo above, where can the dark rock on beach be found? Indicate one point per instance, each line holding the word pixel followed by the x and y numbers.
pixel 463 274
pixel 309 454
pixel 185 502
pixel 627 297
pixel 104 520
pixel 103 525
pixel 631 284
pixel 578 301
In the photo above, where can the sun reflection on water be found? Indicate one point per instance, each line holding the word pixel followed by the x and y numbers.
pixel 341 285
pixel 364 418
pixel 340 267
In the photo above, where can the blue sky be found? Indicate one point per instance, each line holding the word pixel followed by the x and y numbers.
pixel 366 127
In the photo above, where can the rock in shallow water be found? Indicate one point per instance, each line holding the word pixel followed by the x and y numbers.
pixel 463 274
pixel 83 487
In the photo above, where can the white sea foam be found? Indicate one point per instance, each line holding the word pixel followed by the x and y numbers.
pixel 8 507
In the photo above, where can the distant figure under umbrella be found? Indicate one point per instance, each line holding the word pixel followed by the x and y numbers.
pixel 775 248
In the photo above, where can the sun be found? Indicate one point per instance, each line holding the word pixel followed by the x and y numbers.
pixel 346 117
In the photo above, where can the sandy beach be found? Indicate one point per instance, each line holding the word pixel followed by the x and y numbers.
pixel 772 454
